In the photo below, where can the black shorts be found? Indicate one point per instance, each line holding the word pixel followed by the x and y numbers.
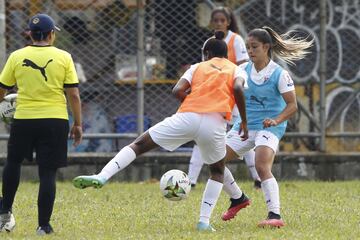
pixel 48 137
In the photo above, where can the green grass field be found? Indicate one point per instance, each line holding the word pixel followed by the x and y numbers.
pixel 311 210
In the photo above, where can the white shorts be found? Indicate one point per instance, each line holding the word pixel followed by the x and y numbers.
pixel 207 130
pixel 256 138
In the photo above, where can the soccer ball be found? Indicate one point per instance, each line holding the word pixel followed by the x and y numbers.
pixel 175 185
pixel 7 108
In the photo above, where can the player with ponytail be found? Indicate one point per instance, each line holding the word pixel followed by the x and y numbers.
pixel 270 102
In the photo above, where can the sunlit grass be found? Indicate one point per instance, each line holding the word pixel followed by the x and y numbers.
pixel 311 210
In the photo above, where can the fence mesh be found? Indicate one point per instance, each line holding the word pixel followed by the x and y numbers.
pixel 102 37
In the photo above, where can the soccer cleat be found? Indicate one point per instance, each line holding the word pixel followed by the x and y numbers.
pixel 204 227
pixel 235 206
pixel 7 222
pixel 43 230
pixel 278 223
pixel 257 184
pixel 273 220
pixel 89 181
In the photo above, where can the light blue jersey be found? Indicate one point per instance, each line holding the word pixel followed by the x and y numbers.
pixel 263 101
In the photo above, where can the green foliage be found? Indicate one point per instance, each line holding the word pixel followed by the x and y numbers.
pixel 311 210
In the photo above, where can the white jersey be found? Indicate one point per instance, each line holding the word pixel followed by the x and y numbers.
pixel 239 46
pixel 285 84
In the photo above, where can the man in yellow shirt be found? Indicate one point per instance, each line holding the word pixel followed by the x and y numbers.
pixel 41 73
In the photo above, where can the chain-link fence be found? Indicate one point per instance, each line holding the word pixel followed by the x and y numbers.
pixel 110 39
pixel 342 68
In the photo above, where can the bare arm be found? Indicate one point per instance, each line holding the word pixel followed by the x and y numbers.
pixel 288 112
pixel 2 93
pixel 240 103
pixel 73 97
pixel 181 89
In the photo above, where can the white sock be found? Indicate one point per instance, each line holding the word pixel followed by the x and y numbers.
pixel 211 194
pixel 230 185
pixel 195 165
pixel 250 163
pixel 118 163
pixel 270 188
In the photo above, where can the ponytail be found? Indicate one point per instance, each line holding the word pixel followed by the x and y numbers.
pixel 216 47
pixel 285 47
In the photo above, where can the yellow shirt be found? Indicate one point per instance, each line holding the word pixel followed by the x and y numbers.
pixel 41 73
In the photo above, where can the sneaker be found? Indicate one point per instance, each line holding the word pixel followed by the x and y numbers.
pixel 204 227
pixel 257 184
pixel 7 222
pixel 89 181
pixel 273 220
pixel 43 230
pixel 235 206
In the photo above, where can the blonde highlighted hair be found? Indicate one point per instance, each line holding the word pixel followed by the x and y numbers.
pixel 285 46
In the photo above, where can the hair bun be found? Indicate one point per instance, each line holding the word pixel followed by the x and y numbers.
pixel 219 35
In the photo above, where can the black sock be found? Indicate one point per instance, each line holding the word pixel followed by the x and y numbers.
pixel 240 199
pixel 237 201
pixel 46 197
pixel 273 215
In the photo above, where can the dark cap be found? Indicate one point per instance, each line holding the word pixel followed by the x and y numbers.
pixel 42 23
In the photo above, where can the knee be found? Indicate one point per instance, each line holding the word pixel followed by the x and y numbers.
pixel 143 144
pixel 136 147
pixel 12 166
pixel 217 172
pixel 262 170
pixel 47 174
pixel 12 163
pixel 217 177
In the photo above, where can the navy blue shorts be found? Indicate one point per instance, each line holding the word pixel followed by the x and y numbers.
pixel 47 137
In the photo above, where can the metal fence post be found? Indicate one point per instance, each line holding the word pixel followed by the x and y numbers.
pixel 322 75
pixel 2 34
pixel 140 67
